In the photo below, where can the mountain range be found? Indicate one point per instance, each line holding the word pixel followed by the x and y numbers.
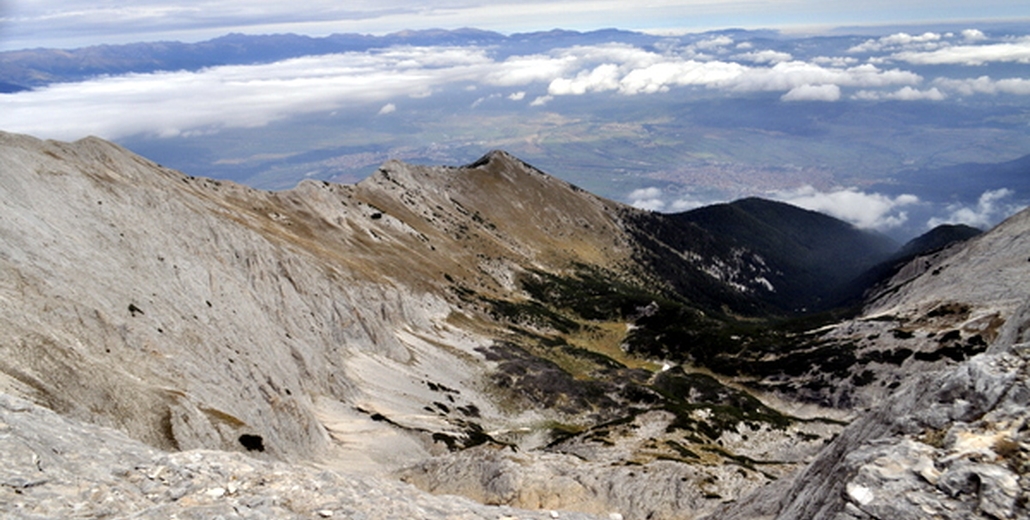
pixel 190 346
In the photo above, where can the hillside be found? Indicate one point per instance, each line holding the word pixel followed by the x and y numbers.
pixel 951 441
pixel 485 330
pixel 811 256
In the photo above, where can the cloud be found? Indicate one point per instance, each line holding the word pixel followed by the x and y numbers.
pixel 523 70
pixel 688 203
pixel 766 56
pixel 661 76
pixel 863 210
pixel 541 101
pixel 647 198
pixel 388 108
pixel 928 40
pixel 973 35
pixel 902 94
pixel 792 74
pixel 988 211
pixel 985 85
pixel 602 78
pixel 970 54
pixel 714 43
pixel 835 61
pixel 172 103
pixel 635 71
pixel 812 93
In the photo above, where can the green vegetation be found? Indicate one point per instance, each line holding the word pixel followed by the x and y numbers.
pixel 686 393
pixel 671 329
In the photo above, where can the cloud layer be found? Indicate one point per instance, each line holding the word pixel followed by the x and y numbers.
pixel 992 207
pixel 178 103
pixel 863 210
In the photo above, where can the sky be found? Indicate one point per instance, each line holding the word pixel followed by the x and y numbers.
pixel 77 23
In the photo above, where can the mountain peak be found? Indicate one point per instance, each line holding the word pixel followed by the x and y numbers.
pixel 493 155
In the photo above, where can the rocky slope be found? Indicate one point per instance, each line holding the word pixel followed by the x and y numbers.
pixel 367 327
pixel 950 442
pixel 57 468
pixel 488 331
pixel 812 256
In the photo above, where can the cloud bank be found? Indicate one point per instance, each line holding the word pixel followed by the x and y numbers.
pixel 647 198
pixel 992 207
pixel 863 210
pixel 1018 52
pixel 184 102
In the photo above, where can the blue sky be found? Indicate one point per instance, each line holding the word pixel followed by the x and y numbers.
pixel 76 23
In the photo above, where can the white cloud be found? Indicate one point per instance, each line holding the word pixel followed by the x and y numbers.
pixel 812 93
pixel 1018 51
pixel 647 198
pixel 788 75
pixel 171 103
pixel 660 76
pixel 523 70
pixel 541 101
pixel 902 94
pixel 687 204
pixel 714 43
pixel 388 108
pixel 928 40
pixel 764 56
pixel 864 210
pixel 634 71
pixel 989 210
pixel 985 85
pixel 835 61
pixel 973 35
pixel 602 78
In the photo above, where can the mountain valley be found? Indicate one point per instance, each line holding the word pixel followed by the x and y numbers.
pixel 189 346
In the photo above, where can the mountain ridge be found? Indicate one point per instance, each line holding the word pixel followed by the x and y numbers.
pixel 440 325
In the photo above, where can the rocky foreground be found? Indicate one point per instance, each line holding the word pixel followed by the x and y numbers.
pixel 57 468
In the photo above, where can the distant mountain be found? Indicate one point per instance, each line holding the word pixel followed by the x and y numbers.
pixel 809 255
pixel 937 238
pixel 932 241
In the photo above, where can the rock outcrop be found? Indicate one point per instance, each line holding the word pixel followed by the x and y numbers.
pixel 57 468
pixel 949 443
